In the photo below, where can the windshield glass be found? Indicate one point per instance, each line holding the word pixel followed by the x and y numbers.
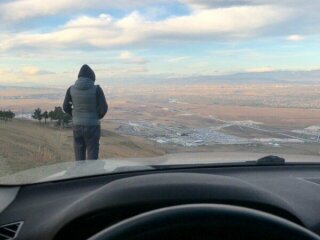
pixel 97 87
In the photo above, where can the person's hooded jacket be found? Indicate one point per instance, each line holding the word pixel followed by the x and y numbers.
pixel 84 100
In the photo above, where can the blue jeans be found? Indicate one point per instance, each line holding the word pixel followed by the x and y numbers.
pixel 86 140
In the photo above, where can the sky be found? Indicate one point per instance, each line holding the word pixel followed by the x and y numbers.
pixel 46 42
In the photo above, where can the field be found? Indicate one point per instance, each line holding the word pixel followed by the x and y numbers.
pixel 26 144
pixel 148 120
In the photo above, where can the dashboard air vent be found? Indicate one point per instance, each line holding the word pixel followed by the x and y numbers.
pixel 10 231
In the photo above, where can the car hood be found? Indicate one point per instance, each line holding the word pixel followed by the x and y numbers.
pixel 67 170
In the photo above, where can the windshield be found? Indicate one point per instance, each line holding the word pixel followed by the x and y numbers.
pixel 96 87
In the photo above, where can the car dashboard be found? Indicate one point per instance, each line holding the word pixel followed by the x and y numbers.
pixel 79 208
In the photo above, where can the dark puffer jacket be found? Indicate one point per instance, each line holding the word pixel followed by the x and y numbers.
pixel 84 100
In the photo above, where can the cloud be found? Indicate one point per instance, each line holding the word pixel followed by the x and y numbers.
pixel 260 70
pixel 220 23
pixel 105 32
pixel 5 71
pixel 125 55
pixel 29 74
pixel 129 58
pixel 26 70
pixel 295 38
pixel 231 3
pixel 32 71
pixel 17 10
pixel 177 59
pixel 103 20
pixel 121 71
pixel 21 9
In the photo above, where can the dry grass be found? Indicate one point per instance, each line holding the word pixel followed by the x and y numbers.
pixel 25 144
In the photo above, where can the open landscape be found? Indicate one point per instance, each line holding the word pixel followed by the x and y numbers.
pixel 148 121
pixel 26 144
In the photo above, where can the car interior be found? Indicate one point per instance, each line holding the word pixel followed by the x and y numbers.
pixel 190 202
pixel 159 119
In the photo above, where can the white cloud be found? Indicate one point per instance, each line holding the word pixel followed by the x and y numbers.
pixel 177 59
pixel 30 74
pixel 26 71
pixel 16 10
pixel 130 58
pixel 260 69
pixel 198 4
pixel 30 70
pixel 106 32
pixel 295 38
pixel 21 9
pixel 125 55
pixel 121 71
pixel 221 22
pixel 103 20
pixel 4 71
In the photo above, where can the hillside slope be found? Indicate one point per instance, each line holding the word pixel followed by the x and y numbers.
pixel 26 144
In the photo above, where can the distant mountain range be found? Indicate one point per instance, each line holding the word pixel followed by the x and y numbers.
pixel 254 77
pixel 30 87
pixel 307 77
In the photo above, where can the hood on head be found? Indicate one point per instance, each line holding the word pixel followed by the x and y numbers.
pixel 87 72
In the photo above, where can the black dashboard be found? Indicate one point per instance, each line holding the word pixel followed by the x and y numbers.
pixel 78 208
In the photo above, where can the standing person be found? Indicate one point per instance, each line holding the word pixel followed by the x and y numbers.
pixel 86 103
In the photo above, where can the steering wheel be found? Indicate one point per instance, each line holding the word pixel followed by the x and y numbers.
pixel 205 221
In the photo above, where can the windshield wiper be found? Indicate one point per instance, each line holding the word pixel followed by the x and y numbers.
pixel 269 160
